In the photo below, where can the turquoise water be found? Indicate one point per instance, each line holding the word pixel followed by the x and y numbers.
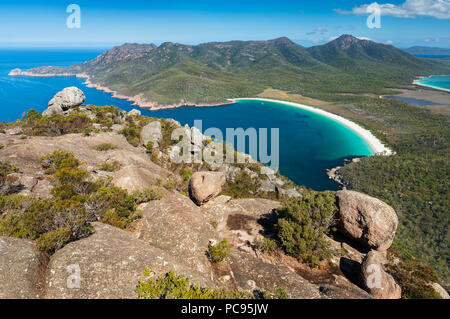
pixel 438 82
pixel 309 143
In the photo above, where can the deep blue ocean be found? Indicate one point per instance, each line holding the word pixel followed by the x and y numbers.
pixel 309 143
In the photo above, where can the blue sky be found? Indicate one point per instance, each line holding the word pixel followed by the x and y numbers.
pixel 105 23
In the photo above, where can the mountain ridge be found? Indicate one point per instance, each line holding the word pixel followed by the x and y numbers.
pixel 175 74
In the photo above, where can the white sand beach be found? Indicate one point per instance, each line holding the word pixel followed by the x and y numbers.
pixel 374 143
pixel 418 82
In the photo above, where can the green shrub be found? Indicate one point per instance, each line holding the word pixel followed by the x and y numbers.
pixel 132 133
pixel 149 146
pixel 103 147
pixel 170 185
pixel 219 252
pixel 53 240
pixel 76 203
pixel 43 216
pixel 110 166
pixel 243 186
pixel 412 274
pixel 171 286
pixel 186 173
pixel 57 160
pixel 55 124
pixel 147 195
pixel 6 169
pixel 265 245
pixel 303 223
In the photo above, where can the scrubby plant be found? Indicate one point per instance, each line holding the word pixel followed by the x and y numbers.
pixel 149 146
pixel 219 252
pixel 54 240
pixel 103 147
pixel 242 186
pixel 265 245
pixel 57 160
pixel 171 286
pixel 170 185
pixel 132 133
pixel 186 173
pixel 147 195
pixel 303 224
pixel 412 274
pixel 53 125
pixel 77 202
pixel 110 166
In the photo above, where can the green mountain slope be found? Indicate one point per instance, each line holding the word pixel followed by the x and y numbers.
pixel 174 73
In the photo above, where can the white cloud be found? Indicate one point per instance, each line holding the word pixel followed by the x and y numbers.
pixel 365 38
pixel 439 9
pixel 389 42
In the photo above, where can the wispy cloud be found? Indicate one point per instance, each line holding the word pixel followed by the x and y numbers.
pixel 439 9
pixel 318 30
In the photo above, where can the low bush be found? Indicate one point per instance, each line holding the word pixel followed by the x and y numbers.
pixel 132 133
pixel 147 195
pixel 303 224
pixel 412 274
pixel 171 286
pixel 103 147
pixel 219 252
pixel 265 245
pixel 110 166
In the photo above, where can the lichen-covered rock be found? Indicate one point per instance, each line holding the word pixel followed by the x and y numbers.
pixel 179 227
pixel 240 221
pixel 134 112
pixel 107 264
pixel 205 185
pixel 64 100
pixel 133 178
pixel 21 269
pixel 151 133
pixel 376 280
pixel 366 219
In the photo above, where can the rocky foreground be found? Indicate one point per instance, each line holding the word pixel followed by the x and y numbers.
pixel 175 231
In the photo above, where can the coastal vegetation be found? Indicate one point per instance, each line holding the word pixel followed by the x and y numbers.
pixel 303 224
pixel 171 286
pixel 414 181
pixel 76 203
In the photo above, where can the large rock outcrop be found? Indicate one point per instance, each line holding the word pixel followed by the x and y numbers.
pixel 107 264
pixel 133 178
pixel 21 269
pixel 376 280
pixel 205 185
pixel 151 133
pixel 176 225
pixel 366 219
pixel 64 100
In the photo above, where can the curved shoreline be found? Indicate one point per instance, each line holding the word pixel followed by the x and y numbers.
pixel 137 100
pixel 373 142
pixel 418 82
